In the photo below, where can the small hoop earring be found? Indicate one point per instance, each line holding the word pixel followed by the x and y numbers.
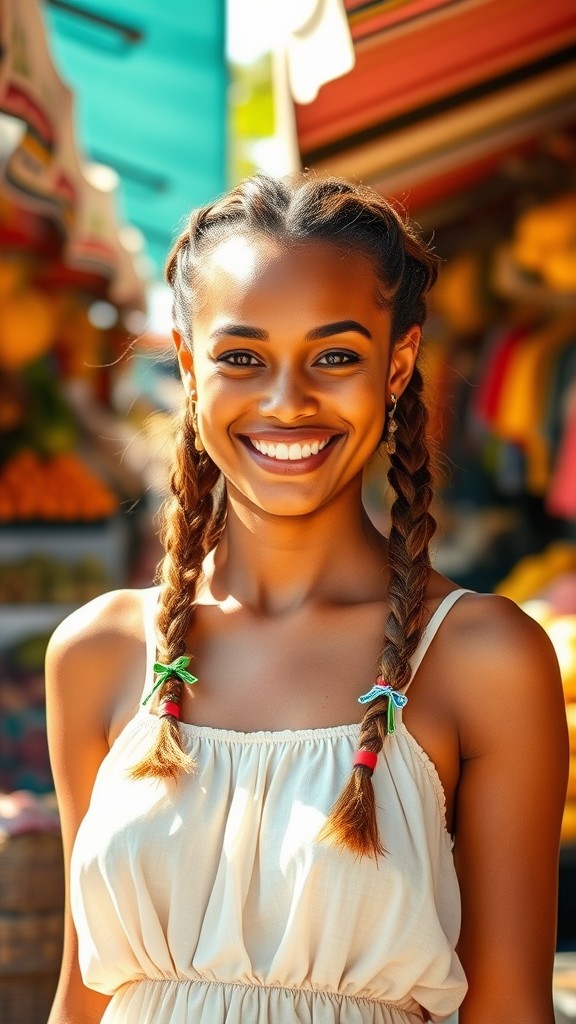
pixel 390 439
pixel 197 439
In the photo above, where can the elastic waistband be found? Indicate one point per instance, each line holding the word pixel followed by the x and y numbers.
pixel 412 1010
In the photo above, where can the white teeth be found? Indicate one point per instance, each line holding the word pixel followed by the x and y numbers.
pixel 292 453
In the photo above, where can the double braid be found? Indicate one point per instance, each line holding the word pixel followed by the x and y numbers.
pixel 353 822
pixel 356 218
pixel 411 532
pixel 191 526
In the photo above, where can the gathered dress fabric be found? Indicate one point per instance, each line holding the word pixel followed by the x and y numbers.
pixel 209 900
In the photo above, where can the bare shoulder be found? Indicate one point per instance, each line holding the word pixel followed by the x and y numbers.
pixel 506 694
pixel 490 636
pixel 502 667
pixel 113 613
pixel 95 665
pixel 491 626
pixel 96 651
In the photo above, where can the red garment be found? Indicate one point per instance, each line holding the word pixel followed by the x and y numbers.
pixel 561 500
pixel 489 390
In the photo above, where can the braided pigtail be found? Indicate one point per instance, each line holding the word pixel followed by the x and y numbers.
pixel 358 221
pixel 412 530
pixel 191 524
pixel 352 822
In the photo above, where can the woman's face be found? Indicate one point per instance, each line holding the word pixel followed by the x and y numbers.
pixel 292 370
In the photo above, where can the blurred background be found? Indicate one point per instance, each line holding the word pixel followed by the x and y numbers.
pixel 117 117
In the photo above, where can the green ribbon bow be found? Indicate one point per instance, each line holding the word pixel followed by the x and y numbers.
pixel 175 669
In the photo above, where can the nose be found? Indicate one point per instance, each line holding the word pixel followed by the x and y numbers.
pixel 289 397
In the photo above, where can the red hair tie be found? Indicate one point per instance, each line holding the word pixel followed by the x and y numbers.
pixel 170 708
pixel 367 758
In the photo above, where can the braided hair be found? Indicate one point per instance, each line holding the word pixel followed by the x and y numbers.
pixel 358 220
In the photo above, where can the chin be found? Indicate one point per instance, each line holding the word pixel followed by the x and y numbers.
pixel 283 505
pixel 285 509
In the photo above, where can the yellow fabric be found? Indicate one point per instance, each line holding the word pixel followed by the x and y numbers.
pixel 523 396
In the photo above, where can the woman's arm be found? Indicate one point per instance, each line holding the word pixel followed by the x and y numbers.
pixel 83 665
pixel 514 749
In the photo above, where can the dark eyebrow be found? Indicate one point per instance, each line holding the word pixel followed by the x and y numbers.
pixel 239 331
pixel 340 327
pixel 316 334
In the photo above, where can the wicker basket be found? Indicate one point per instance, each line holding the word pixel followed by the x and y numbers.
pixel 27 999
pixel 30 955
pixel 31 925
pixel 31 872
pixel 30 943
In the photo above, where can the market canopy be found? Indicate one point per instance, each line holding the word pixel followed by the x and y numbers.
pixel 149 81
pixel 44 177
pixel 441 91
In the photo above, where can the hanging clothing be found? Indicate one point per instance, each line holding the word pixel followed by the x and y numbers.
pixel 499 350
pixel 520 418
pixel 561 498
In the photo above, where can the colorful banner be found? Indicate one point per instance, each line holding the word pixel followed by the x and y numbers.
pixel 31 90
pixel 44 173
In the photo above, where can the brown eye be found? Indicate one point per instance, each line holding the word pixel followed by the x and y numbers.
pixel 338 357
pixel 239 358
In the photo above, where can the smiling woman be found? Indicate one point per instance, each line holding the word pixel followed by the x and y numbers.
pixel 243 848
pixel 280 379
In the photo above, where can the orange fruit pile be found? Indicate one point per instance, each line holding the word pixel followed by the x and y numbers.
pixel 57 489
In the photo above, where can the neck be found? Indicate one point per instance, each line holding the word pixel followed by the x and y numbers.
pixel 277 564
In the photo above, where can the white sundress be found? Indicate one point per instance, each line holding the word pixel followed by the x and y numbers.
pixel 209 901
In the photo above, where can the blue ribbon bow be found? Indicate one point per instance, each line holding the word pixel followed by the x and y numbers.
pixel 177 669
pixel 395 700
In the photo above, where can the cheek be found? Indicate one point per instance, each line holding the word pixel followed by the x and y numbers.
pixel 373 423
pixel 214 391
pixel 221 405
pixel 366 400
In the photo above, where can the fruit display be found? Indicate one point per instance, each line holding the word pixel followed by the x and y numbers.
pixel 34 413
pixel 42 578
pixel 24 761
pixel 59 488
pixel 29 315
pixel 544 586
pixel 62 541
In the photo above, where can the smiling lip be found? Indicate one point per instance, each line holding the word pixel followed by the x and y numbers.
pixel 285 455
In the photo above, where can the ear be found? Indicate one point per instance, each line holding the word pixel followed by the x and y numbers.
pixel 403 360
pixel 185 362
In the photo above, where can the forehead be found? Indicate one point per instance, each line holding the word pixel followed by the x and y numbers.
pixel 258 276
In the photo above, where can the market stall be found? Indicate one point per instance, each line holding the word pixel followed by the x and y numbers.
pixel 466 114
pixel 69 286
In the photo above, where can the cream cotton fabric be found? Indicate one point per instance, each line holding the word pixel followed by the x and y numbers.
pixel 210 901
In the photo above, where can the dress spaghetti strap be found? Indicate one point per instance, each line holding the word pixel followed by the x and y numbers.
pixel 431 628
pixel 150 598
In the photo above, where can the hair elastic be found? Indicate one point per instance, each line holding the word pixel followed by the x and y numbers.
pixel 367 758
pixel 170 708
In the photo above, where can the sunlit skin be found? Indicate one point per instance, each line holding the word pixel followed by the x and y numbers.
pixel 292 605
pixel 299 555
pixel 260 370
pixel 288 385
